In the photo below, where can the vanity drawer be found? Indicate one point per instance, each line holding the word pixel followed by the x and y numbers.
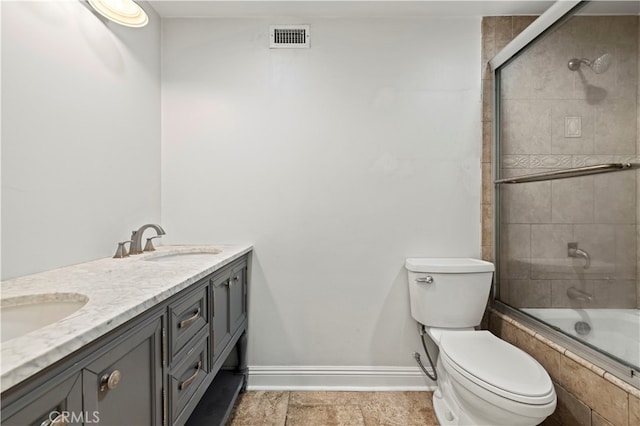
pixel 187 317
pixel 187 376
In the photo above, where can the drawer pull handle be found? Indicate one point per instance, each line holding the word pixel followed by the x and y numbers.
pixel 110 381
pixel 59 420
pixel 186 323
pixel 187 382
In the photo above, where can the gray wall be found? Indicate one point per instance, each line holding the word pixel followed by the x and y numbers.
pixel 80 134
pixel 337 162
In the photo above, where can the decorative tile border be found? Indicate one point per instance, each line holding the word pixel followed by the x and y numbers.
pixel 591 160
pixel 562 161
pixel 515 161
pixel 550 161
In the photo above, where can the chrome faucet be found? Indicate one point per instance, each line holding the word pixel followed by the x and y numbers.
pixel 574 251
pixel 136 237
pixel 577 294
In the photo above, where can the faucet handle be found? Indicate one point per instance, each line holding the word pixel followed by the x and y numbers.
pixel 149 245
pixel 122 250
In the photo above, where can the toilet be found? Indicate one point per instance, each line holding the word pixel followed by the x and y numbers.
pixel 482 380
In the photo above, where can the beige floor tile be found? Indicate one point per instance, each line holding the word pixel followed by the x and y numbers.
pixel 334 409
pixel 260 408
pixel 324 415
pixel 398 409
pixel 325 398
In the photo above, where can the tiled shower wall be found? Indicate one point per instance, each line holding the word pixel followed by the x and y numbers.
pixel 497 32
pixel 539 94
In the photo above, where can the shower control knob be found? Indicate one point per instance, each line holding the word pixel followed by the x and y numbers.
pixel 426 280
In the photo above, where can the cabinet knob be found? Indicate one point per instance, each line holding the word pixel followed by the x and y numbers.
pixel 110 381
pixel 233 281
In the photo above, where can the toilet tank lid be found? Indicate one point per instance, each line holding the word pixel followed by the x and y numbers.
pixel 448 265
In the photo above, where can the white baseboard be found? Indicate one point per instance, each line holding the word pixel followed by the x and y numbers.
pixel 323 378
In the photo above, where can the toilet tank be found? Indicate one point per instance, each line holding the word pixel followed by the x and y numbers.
pixel 448 292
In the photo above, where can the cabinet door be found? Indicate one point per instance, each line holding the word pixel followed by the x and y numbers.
pixel 124 385
pixel 237 296
pixel 221 333
pixel 57 405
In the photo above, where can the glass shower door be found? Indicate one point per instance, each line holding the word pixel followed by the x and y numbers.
pixel 568 246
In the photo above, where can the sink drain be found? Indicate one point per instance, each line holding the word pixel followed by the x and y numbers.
pixel 582 328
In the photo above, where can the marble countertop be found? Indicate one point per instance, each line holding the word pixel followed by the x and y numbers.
pixel 117 289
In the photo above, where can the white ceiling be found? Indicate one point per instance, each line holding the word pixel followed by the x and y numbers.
pixel 346 8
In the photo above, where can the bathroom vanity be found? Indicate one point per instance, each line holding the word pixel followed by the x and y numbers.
pixel 161 340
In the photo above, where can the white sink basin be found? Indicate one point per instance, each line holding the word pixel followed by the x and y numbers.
pixel 23 314
pixel 193 255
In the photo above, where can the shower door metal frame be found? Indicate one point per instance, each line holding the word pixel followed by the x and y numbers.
pixel 555 16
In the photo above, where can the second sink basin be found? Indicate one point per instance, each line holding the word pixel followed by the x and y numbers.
pixel 23 314
pixel 188 255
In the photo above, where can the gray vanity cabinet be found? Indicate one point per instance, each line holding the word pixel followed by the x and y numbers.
pixel 51 404
pixel 164 367
pixel 229 288
pixel 124 383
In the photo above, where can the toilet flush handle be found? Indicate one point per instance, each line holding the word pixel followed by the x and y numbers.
pixel 427 280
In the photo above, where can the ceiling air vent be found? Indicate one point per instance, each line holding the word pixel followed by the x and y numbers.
pixel 289 37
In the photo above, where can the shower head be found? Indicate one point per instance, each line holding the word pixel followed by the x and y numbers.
pixel 601 64
pixel 598 65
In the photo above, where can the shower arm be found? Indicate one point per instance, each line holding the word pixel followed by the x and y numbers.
pixel 568 173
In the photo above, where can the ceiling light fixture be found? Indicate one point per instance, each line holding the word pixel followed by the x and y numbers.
pixel 123 12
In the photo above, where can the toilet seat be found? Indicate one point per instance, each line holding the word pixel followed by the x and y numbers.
pixel 496 366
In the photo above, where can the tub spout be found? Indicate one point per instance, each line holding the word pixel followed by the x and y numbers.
pixel 574 251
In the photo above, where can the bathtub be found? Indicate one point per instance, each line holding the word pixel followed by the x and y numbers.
pixel 613 331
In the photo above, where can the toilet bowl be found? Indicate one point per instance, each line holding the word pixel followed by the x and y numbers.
pixel 490 382
pixel 482 380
